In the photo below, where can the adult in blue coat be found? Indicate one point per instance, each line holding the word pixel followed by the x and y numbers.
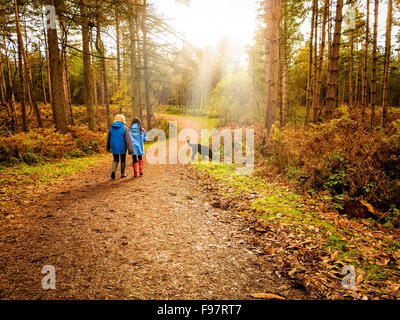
pixel 118 141
pixel 138 137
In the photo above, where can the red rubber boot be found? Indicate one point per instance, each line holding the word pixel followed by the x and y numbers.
pixel 135 170
pixel 141 167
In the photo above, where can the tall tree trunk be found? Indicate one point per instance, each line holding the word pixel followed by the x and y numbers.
pixel 365 72
pixel 48 67
pixel 68 100
pixel 330 17
pixel 118 53
pixel 21 78
pixel 273 14
pixel 310 64
pixel 146 66
pixel 284 67
pixel 43 83
pixel 356 80
pixel 56 75
pixel 96 99
pixel 139 66
pixel 89 99
pixel 67 94
pixel 374 63
pixel 317 94
pixel 132 33
pixel 14 119
pixel 101 51
pixel 28 73
pixel 333 72
pixel 387 63
pixel 315 48
pixel 3 93
pixel 351 69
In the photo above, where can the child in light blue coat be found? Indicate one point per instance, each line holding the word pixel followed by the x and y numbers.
pixel 138 137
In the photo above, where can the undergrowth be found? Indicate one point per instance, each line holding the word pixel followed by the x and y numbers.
pixel 341 159
pixel 277 204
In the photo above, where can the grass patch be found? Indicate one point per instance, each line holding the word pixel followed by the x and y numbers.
pixel 13 180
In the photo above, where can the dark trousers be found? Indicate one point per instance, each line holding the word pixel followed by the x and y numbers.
pixel 117 156
pixel 136 158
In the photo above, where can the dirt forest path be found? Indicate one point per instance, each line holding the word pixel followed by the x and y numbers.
pixel 155 237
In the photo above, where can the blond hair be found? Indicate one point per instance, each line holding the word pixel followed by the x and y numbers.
pixel 120 117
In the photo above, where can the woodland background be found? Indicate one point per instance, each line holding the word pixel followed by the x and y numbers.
pixel 325 104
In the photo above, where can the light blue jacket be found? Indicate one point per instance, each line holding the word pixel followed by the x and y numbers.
pixel 138 138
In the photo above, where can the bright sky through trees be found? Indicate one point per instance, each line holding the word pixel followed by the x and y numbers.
pixel 205 22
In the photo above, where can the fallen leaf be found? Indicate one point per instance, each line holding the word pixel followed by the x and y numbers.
pixel 270 251
pixel 368 206
pixel 378 235
pixel 267 296
pixel 334 255
pixel 291 273
pixel 383 262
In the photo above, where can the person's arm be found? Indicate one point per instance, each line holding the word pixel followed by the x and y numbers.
pixel 109 142
pixel 128 141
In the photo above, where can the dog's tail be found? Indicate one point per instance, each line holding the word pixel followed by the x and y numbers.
pixel 188 142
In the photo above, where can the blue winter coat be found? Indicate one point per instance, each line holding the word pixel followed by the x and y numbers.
pixel 118 139
pixel 138 138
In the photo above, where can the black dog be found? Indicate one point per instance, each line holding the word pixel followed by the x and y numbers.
pixel 202 150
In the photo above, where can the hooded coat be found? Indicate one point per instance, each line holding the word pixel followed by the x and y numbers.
pixel 119 140
pixel 138 138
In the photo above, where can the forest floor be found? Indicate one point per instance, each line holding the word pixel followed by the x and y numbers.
pixel 153 237
pixel 175 233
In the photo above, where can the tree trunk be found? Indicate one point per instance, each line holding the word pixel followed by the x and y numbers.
pixel 330 17
pixel 356 100
pixel 89 99
pixel 64 65
pixel 48 67
pixel 365 72
pixel 333 72
pixel 374 63
pixel 139 63
pixel 28 73
pixel 101 51
pixel 95 97
pixel 387 63
pixel 351 69
pixel 14 118
pixel 67 90
pixel 132 33
pixel 315 48
pixel 3 93
pixel 118 53
pixel 310 64
pixel 21 78
pixel 56 77
pixel 317 94
pixel 146 67
pixel 273 13
pixel 284 68
pixel 43 83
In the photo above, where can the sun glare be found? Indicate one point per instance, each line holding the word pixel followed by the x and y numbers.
pixel 205 22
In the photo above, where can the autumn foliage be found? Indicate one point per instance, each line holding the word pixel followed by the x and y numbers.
pixel 342 159
pixel 39 145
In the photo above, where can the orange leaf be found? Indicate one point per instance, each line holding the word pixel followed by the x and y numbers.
pixel 267 296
